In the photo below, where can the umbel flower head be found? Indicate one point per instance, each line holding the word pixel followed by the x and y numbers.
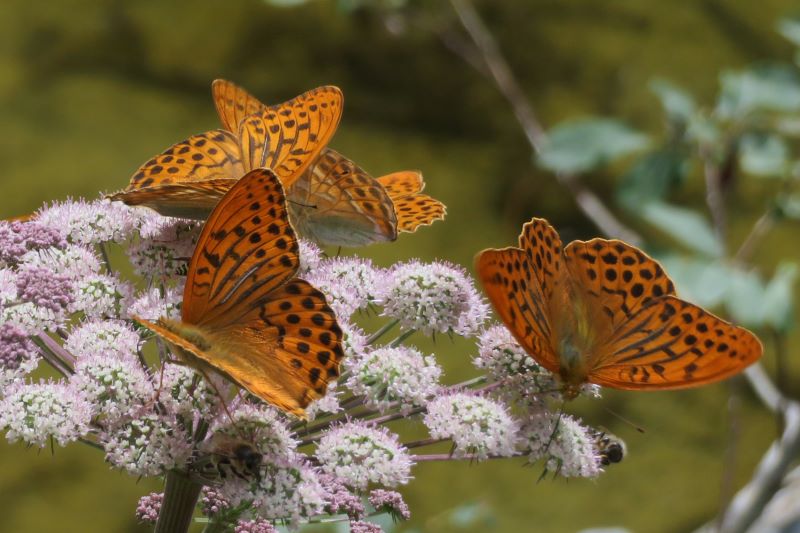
pixel 400 374
pixel 565 445
pixel 359 454
pixel 433 297
pixel 37 412
pixel 477 426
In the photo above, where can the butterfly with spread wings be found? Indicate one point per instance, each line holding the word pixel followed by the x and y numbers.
pixel 603 312
pixel 190 177
pixel 244 315
pixel 335 202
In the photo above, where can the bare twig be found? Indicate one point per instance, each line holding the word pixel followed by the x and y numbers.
pixel 760 229
pixel 500 73
pixel 748 503
pixel 715 200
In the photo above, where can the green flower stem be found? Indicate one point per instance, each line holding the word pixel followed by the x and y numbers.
pixel 381 332
pixel 104 254
pixel 53 353
pixel 180 498
pixel 403 336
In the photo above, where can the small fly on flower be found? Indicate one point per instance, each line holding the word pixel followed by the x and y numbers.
pixel 227 457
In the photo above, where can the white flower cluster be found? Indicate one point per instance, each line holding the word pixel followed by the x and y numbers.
pixel 477 426
pixel 38 412
pixel 435 297
pixel 349 283
pixel 116 386
pixel 566 446
pixel 111 338
pixel 90 222
pixel 148 445
pixel 164 246
pixel 359 454
pixel 401 375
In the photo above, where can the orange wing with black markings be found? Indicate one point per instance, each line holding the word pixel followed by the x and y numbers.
pixel 604 312
pixel 413 208
pixel 243 315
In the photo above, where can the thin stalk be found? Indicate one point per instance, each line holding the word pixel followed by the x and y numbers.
pixel 382 331
pixel 500 73
pixel 54 354
pixel 104 254
pixel 447 457
pixel 177 508
pixel 423 442
pixel 760 230
pixel 403 336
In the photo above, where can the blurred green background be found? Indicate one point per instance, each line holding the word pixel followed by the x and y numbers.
pixel 91 89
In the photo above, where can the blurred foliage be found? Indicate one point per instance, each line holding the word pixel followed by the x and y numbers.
pixel 89 89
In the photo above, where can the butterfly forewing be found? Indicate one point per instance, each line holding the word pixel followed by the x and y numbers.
pixel 163 183
pixel 246 249
pixel 337 203
pixel 521 298
pixel 233 103
pixel 673 344
pixel 288 137
pixel 614 279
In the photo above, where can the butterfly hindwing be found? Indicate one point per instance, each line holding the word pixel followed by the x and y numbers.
pixel 233 103
pixel 193 200
pixel 673 344
pixel 337 203
pixel 413 209
pixel 403 183
pixel 246 250
pixel 288 137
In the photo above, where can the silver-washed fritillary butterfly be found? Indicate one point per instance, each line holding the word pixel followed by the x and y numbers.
pixel 336 202
pixel 243 315
pixel 603 312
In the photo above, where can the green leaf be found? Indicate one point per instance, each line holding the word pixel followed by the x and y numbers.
pixel 652 177
pixel 762 88
pixel 684 225
pixel 703 130
pixel 789 206
pixel 763 154
pixel 744 301
pixel 677 103
pixel 778 307
pixel 582 145
pixel 755 304
pixel 789 27
pixel 703 282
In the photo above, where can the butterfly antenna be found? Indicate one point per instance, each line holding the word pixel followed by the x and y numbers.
pixel 221 399
pixel 338 251
pixel 627 421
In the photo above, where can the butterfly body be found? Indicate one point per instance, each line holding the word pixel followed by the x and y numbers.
pixel 243 315
pixel 603 312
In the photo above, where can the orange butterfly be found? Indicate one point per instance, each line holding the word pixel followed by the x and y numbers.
pixel 189 178
pixel 604 312
pixel 243 315
pixel 335 201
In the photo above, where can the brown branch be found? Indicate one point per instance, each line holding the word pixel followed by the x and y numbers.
pixel 503 78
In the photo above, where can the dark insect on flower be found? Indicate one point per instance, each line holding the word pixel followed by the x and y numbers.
pixel 227 458
pixel 610 448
